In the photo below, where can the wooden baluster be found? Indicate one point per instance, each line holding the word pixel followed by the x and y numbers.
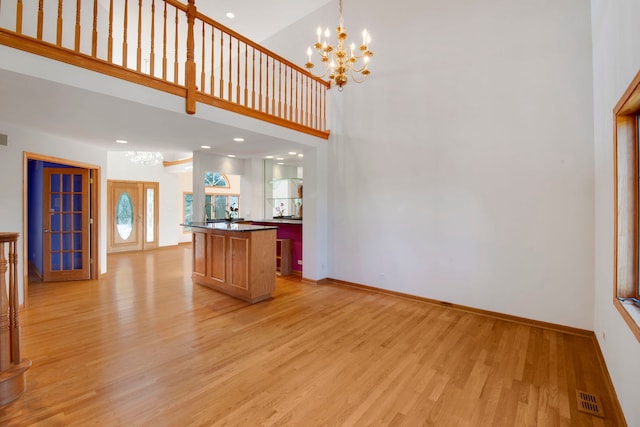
pixel 304 98
pixel 213 55
pixel 309 101
pixel 152 54
pixel 94 32
pixel 76 45
pixel 238 73
pixel 319 106
pixel 19 17
pixel 5 331
pixel 40 19
pixel 260 83
pixel 124 33
pixel 319 96
pixel 190 66
pixel 202 72
pixel 253 84
pixel 13 302
pixel 317 109
pixel 280 89
pixel 273 87
pixel 291 117
pixel 230 92
pixel 266 83
pixel 286 87
pixel 221 65
pixel 298 94
pixel 139 50
pixel 59 29
pixel 314 118
pixel 291 91
pixel 246 87
pixel 164 45
pixel 110 42
pixel 323 103
pixel 176 67
pixel 301 94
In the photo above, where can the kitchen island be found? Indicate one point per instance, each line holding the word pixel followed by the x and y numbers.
pixel 237 259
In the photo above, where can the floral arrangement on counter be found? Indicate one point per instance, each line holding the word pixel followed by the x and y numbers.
pixel 280 210
pixel 232 212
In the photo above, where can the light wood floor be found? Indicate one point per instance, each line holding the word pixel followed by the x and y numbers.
pixel 145 347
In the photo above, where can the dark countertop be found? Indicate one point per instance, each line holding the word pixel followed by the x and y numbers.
pixel 229 226
pixel 295 221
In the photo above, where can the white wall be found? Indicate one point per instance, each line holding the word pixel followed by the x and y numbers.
pixel 252 202
pixel 616 60
pixel 22 140
pixel 462 170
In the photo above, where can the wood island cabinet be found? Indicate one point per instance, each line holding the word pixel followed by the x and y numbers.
pixel 236 259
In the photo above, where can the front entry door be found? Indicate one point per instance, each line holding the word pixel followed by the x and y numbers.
pixel 66 245
pixel 132 216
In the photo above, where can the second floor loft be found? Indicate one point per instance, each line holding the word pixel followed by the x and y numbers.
pixel 172 47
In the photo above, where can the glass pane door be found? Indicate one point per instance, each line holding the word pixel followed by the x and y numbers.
pixel 66 224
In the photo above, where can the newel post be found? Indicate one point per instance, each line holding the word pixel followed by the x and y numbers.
pixel 190 66
pixel 13 368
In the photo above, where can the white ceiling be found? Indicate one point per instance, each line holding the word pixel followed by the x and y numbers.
pixel 100 119
pixel 258 19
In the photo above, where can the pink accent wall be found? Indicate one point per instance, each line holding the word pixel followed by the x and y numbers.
pixel 292 232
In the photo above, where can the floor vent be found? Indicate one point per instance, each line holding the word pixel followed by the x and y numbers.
pixel 589 403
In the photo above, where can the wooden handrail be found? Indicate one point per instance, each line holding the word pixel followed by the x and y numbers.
pixel 218 67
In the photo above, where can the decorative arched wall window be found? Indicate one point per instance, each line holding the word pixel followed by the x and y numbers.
pixel 215 179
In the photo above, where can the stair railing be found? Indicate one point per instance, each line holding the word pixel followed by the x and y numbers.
pixel 12 366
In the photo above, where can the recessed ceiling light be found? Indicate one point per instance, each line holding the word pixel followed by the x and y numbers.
pixel 292 153
pixel 188 167
pixel 238 139
pixel 300 155
pixel 230 15
pixel 231 155
pixel 122 141
pixel 269 157
pixel 279 158
pixel 281 163
pixel 205 146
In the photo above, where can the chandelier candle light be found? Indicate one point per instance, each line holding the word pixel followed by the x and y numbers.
pixel 145 157
pixel 339 64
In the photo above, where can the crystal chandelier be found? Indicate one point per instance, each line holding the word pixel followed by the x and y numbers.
pixel 341 65
pixel 145 157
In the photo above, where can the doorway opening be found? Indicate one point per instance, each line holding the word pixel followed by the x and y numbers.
pixel 60 223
